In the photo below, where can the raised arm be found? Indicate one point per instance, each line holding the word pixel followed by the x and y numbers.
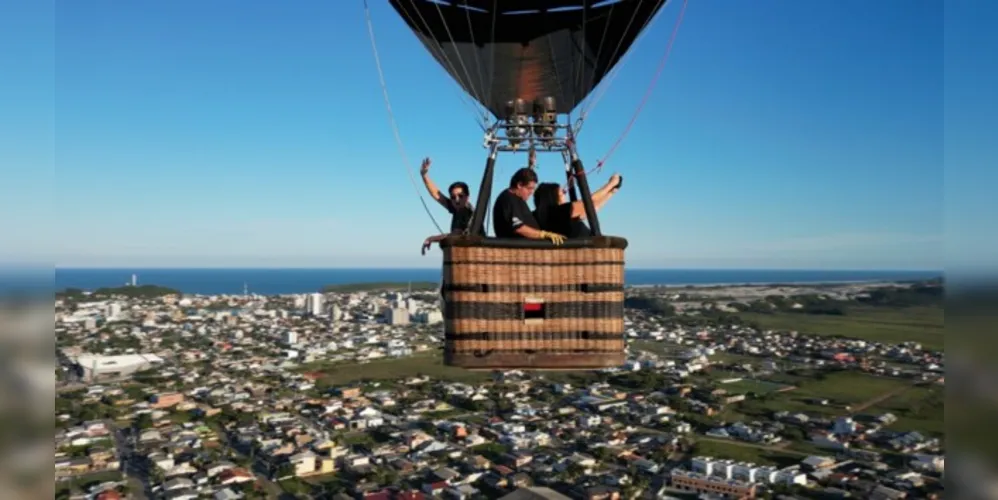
pixel 431 187
pixel 600 197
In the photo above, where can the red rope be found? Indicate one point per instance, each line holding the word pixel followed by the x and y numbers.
pixel 651 87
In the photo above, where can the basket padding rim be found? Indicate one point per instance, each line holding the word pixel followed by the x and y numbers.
pixel 478 241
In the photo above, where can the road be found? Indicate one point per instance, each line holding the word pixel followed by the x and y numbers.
pixel 272 489
pixel 132 465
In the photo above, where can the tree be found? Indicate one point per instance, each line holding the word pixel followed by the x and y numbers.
pixel 386 477
pixel 653 305
pixel 284 470
pixel 574 472
pixel 603 454
pixel 142 421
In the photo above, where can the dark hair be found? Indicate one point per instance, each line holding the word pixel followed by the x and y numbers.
pixel 523 177
pixel 546 195
pixel 460 185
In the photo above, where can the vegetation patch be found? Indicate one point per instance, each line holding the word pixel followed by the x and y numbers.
pixel 920 408
pixel 429 364
pixel 840 389
pixel 744 453
pixel 748 385
pixel 421 286
pixel 922 324
pixel 132 292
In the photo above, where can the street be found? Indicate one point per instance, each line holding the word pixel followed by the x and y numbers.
pixel 272 489
pixel 133 466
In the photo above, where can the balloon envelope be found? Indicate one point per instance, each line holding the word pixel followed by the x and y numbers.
pixel 501 50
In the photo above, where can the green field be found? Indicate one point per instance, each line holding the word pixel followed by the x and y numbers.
pixel 841 389
pixel 661 348
pixel 848 388
pixel 882 324
pixel 919 409
pixel 747 385
pixel 430 364
pixel 735 450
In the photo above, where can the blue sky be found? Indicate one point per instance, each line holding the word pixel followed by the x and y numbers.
pixel 782 134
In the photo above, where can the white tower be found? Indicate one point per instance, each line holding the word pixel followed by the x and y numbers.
pixel 313 304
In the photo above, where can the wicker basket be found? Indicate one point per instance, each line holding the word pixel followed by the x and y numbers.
pixel 514 304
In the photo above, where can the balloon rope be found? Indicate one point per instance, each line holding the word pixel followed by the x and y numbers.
pixel 391 117
pixel 651 87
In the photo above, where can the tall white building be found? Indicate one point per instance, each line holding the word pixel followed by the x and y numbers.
pixel 335 313
pixel 396 316
pixel 313 304
pixel 430 317
pixel 113 310
pixel 290 337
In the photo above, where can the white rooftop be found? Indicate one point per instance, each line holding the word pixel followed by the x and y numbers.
pixel 90 360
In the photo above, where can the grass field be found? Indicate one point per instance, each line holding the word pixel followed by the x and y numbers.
pixel 848 388
pixel 882 324
pixel 747 385
pixel 919 409
pixel 745 453
pixel 842 389
pixel 661 348
pixel 429 364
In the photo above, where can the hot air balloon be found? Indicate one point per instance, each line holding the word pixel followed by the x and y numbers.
pixel 518 303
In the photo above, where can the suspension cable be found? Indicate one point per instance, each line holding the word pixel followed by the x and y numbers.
pixel 478 60
pixel 438 51
pixel 591 100
pixel 648 91
pixel 457 50
pixel 391 117
pixel 599 52
pixel 589 97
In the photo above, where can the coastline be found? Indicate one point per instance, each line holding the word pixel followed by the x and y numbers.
pixel 299 281
pixel 771 284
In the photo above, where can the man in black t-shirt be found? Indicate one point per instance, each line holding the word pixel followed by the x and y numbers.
pixel 511 216
pixel 458 204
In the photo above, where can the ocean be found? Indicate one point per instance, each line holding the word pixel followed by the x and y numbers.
pixel 288 281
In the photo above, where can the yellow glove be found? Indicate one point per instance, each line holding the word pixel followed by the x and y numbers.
pixel 555 238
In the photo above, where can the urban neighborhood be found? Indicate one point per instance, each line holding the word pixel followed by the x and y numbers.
pixel 777 391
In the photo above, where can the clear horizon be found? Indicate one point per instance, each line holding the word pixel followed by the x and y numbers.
pixel 389 268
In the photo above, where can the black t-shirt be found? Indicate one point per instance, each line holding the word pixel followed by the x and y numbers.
pixel 509 213
pixel 558 219
pixel 580 229
pixel 462 214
